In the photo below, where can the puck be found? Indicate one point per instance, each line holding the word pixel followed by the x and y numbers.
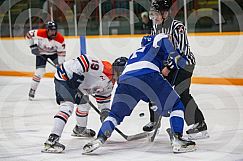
pixel 141 114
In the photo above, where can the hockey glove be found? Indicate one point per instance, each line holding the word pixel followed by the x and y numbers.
pixel 35 50
pixel 104 113
pixel 75 81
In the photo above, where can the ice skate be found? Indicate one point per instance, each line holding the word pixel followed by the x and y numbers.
pixel 93 145
pixel 198 131
pixel 83 132
pixel 150 126
pixel 52 145
pixel 31 94
pixel 180 145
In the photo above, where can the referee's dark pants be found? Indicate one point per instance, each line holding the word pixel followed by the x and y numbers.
pixel 182 85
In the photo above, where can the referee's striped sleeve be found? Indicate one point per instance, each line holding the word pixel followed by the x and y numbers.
pixel 180 35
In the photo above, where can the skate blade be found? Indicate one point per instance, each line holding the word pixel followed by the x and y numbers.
pixel 81 136
pixel 49 149
pixel 189 148
pixel 198 136
pixel 87 150
pixel 52 150
pixel 31 98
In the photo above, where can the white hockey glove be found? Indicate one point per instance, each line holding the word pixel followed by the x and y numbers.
pixel 35 50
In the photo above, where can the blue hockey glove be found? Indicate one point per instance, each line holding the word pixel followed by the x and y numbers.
pixel 180 61
pixel 146 40
pixel 35 50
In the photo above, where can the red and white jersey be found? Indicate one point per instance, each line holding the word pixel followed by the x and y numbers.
pixel 97 77
pixel 46 46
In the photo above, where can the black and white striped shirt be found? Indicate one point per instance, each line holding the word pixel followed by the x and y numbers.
pixel 178 35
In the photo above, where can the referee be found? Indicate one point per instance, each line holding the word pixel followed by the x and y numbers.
pixel 181 79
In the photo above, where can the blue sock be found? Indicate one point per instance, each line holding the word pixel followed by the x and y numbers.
pixel 177 124
pixel 106 129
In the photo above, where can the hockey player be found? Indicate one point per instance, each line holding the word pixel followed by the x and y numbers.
pixel 44 44
pixel 181 79
pixel 141 80
pixel 90 76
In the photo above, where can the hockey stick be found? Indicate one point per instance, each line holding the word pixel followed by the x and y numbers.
pixel 51 63
pixel 126 137
pixel 156 128
pixel 168 130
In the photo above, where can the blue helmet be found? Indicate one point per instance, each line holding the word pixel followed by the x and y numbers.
pixel 146 40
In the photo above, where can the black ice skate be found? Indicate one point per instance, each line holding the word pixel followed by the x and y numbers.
pixel 31 94
pixel 150 126
pixel 83 132
pixel 198 131
pixel 93 145
pixel 52 145
pixel 180 145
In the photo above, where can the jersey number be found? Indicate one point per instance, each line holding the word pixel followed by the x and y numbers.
pixel 134 55
pixel 95 65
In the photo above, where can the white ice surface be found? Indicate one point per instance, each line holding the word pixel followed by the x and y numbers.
pixel 25 126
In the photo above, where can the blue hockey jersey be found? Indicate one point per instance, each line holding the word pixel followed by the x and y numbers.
pixel 151 58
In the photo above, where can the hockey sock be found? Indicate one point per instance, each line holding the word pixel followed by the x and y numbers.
pixel 61 117
pixel 37 77
pixel 177 121
pixel 107 127
pixel 81 117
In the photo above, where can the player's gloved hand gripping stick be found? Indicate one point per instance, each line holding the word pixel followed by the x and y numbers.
pixel 35 50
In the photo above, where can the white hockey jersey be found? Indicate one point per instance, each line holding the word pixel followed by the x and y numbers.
pixel 97 77
pixel 46 46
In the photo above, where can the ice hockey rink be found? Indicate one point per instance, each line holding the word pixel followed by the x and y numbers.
pixel 25 126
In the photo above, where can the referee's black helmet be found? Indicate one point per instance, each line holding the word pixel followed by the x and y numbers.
pixel 161 5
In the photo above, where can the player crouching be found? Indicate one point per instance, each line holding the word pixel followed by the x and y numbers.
pixel 74 81
pixel 141 80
